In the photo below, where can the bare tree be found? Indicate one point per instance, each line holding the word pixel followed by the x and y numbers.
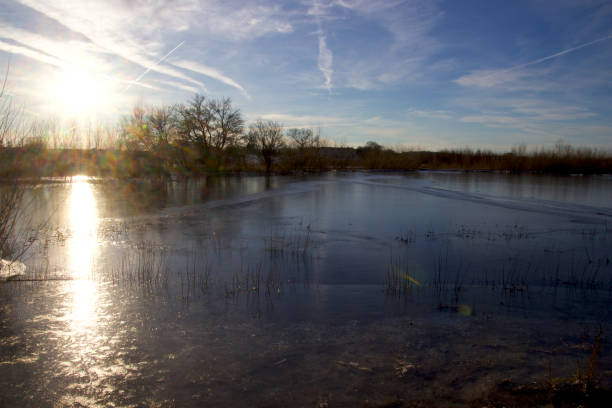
pixel 8 115
pixel 303 138
pixel 148 128
pixel 267 138
pixel 210 125
pixel 98 136
pixel 161 126
pixel 12 209
pixel 193 122
pixel 227 123
pixel 307 153
pixel 10 212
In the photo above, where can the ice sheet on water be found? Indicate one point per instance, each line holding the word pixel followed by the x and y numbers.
pixel 297 188
pixel 10 269
pixel 577 212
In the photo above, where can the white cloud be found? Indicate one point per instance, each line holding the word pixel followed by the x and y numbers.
pixel 377 64
pixel 209 72
pixel 519 80
pixel 489 78
pixel 139 31
pixel 325 62
pixel 305 121
pixel 241 21
pixel 408 20
pixel 35 55
pixel 365 6
pixel 113 28
pixel 325 57
pixel 178 85
pixel 130 82
pixel 530 117
pixel 552 112
pixel 71 52
pixel 493 120
pixel 432 114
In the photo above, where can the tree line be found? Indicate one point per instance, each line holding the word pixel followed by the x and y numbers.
pixel 211 135
pixel 201 135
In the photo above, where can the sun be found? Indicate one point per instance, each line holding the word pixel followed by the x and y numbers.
pixel 77 93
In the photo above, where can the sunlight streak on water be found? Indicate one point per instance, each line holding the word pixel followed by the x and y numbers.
pixel 83 314
pixel 84 227
pixel 85 305
pixel 81 251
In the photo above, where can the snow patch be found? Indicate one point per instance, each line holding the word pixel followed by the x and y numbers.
pixel 10 269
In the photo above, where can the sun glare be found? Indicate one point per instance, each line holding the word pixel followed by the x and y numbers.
pixel 84 226
pixel 77 93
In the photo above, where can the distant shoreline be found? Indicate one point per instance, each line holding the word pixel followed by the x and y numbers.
pixel 36 162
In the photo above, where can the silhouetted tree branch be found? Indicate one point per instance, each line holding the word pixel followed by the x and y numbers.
pixel 227 123
pixel 267 138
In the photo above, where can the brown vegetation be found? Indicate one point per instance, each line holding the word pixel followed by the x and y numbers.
pixel 562 159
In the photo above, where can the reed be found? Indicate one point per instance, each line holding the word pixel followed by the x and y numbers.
pixel 296 244
pixel 145 266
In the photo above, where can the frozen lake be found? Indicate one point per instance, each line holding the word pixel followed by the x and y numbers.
pixel 347 289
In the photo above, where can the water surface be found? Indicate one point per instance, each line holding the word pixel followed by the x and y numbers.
pixel 350 289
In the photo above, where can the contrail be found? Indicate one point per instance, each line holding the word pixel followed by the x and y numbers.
pixel 325 59
pixel 558 54
pixel 152 66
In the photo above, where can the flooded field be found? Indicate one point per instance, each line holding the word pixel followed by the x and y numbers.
pixel 355 289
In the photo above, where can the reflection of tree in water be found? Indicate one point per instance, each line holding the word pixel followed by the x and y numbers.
pixel 134 197
pixel 214 187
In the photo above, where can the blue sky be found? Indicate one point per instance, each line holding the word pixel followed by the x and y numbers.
pixel 428 74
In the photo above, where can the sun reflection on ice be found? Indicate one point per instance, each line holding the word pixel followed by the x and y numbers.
pixel 87 359
pixel 84 226
pixel 82 248
pixel 83 315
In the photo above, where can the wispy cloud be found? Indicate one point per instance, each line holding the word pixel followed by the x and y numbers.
pixel 508 80
pixel 558 54
pixel 308 58
pixel 401 42
pixel 341 120
pixel 373 119
pixel 108 29
pixel 493 120
pixel 306 121
pixel 209 72
pixel 528 116
pixel 325 58
pixel 139 32
pixel 243 21
pixel 35 55
pixel 71 52
pixel 545 111
pixel 431 114
pixel 68 55
pixel 146 71
pixel 498 77
pixel 178 85
pixel 325 62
